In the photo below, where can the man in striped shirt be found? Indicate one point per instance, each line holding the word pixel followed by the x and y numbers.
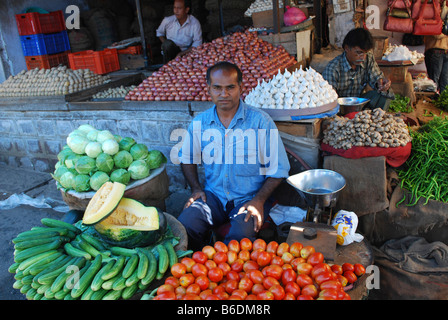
pixel 351 72
pixel 180 32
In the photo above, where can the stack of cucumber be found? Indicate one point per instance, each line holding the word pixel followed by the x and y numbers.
pixel 58 261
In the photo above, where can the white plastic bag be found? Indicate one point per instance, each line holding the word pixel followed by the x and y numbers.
pixel 345 223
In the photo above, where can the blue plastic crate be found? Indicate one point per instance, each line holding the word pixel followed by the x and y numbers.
pixel 40 44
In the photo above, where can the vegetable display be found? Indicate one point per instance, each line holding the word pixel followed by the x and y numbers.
pixel 425 174
pixel 111 93
pixel 184 78
pixel 297 90
pixel 246 270
pixel 49 82
pixel 442 100
pixel 401 104
pixel 92 157
pixel 369 128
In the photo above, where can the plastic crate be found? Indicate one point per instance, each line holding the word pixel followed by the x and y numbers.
pixel 135 50
pixel 100 62
pixel 47 61
pixel 35 23
pixel 41 44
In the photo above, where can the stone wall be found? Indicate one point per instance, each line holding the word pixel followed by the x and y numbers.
pixel 32 133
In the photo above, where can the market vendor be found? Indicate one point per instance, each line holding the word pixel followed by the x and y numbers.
pixel 243 158
pixel 180 32
pixel 436 59
pixel 355 69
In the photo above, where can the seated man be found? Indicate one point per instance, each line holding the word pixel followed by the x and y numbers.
pixel 179 32
pixel 243 158
pixel 350 72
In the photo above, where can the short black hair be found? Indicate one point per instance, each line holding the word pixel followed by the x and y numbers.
pixel 224 65
pixel 359 37
pixel 187 3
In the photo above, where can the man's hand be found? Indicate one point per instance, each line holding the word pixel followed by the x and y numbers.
pixel 255 209
pixel 383 84
pixel 195 194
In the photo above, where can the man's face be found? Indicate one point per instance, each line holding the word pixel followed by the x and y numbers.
pixel 355 55
pixel 179 10
pixel 224 89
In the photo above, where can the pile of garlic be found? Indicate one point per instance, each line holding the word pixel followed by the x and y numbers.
pixel 400 52
pixel 50 82
pixel 260 6
pixel 297 90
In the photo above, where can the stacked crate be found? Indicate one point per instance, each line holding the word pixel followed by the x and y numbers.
pixel 44 39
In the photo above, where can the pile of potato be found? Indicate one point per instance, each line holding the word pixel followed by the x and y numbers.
pixel 369 128
pixel 117 92
pixel 50 82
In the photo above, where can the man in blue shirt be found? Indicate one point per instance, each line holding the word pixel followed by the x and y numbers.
pixel 180 32
pixel 243 157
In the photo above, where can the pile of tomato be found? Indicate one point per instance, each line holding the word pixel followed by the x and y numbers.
pixel 246 270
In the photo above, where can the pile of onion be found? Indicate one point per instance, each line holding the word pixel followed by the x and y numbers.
pixel 183 78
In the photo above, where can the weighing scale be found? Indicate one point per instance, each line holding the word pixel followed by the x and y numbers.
pixel 320 189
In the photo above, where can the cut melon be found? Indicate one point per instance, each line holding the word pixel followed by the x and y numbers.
pixel 103 203
pixel 132 225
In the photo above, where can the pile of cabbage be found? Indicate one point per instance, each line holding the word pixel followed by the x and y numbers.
pixel 92 157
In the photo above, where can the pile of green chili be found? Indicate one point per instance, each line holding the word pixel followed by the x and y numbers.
pixel 425 174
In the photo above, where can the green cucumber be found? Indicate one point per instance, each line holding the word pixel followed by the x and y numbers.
pixel 30 252
pixel 93 241
pixel 13 268
pixel 43 264
pixel 97 280
pixel 120 251
pixel 43 288
pixel 119 284
pixel 87 247
pixel 128 292
pixel 31 293
pixel 49 276
pixel 36 258
pixel 75 252
pixel 49 294
pixel 17 284
pixel 107 285
pixel 86 279
pixel 143 265
pixel 112 295
pixel 73 280
pixel 133 279
pixel 53 223
pixel 33 243
pixel 152 268
pixel 172 256
pixel 115 269
pixel 87 294
pixel 130 266
pixel 28 279
pixel 25 288
pixel 99 294
pixel 35 235
pixel 163 259
pixel 60 280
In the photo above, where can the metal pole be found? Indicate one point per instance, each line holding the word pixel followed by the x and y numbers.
pixel 276 13
pixel 318 14
pixel 142 32
pixel 221 17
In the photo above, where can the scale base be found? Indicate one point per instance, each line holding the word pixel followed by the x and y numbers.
pixel 324 240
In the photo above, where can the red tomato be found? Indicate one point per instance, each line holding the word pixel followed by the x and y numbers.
pixel 167 295
pixel 304 268
pixel 303 280
pixel 205 293
pixel 348 267
pixel 329 294
pixel 186 280
pixel 203 282
pixel 193 288
pixel 343 280
pixel 282 248
pixel 351 276
pixel 288 275
pixel 278 291
pixel 231 256
pixel 215 274
pixel 296 261
pixel 178 269
pixel 310 290
pixel 172 281
pixel 277 260
pixel 320 268
pixel 287 257
pixel 180 292
pixel 337 269
pixel 251 297
pixel 218 289
pixel 274 271
pixel 232 275
pixel 199 257
pixel 307 251
pixel 257 288
pixel 272 247
pixel 245 284
pixel 289 296
pixel 224 267
pixel 304 297
pixel 259 244
pixel 188 262
pixel 359 269
pixel 322 277
pixel 234 245
pixel 245 244
pixel 264 259
pixel 220 246
pixel 315 258
pixel 212 297
pixel 269 282
pixel 254 254
pixel 220 257
pixel 210 264
pixel 295 249
pixel 265 295
pixel 250 265
pixel 164 288
pixel 244 255
pixel 199 269
pixel 292 287
pixel 191 296
pixel 222 295
pixel 239 293
pixel 237 265
pixel 256 276
pixel 231 285
pixel 331 284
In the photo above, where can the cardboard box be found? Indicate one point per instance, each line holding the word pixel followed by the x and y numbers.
pixel 395 73
pixel 380 45
pixel 266 18
pixel 287 40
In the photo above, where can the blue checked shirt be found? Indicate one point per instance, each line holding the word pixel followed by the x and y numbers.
pixel 184 36
pixel 239 159
pixel 348 82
